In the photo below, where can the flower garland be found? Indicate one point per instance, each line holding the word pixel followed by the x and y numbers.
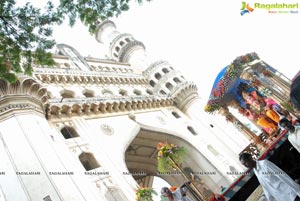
pixel 145 194
pixel 237 66
pixel 288 106
pixel 265 91
pixel 233 71
pixel 167 153
pixel 211 108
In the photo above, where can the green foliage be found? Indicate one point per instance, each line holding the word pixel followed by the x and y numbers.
pixel 91 11
pixel 145 194
pixel 212 108
pixel 167 155
pixel 25 31
pixel 288 106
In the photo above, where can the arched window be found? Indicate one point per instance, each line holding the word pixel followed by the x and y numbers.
pixel 148 91
pixel 88 161
pixel 157 76
pixel 127 40
pixel 106 69
pixel 152 83
pixel 88 93
pixel 137 92
pixel 117 48
pixel 93 67
pixel 67 94
pixel 67 65
pixel 169 86
pixel 162 92
pixel 121 43
pixel 122 92
pixel 176 115
pixel 176 80
pixel 191 129
pixel 69 132
pixel 165 70
pixel 106 92
pixel 213 150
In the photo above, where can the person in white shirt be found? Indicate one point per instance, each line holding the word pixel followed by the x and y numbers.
pixel 276 184
pixel 294 132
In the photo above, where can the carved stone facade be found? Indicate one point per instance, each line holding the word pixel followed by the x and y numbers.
pixel 90 126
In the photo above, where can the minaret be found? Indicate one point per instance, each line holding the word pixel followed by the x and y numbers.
pixel 165 81
pixel 123 47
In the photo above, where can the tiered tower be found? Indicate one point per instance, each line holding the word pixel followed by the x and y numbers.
pixel 87 129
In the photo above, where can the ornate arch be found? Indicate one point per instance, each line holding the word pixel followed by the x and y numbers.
pixel 21 96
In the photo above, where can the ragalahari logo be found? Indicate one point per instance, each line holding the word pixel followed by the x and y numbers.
pixel 245 8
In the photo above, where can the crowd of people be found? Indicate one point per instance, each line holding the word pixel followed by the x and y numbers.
pixel 275 182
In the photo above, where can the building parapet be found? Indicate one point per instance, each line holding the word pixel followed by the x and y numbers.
pixel 153 67
pixel 97 105
pixel 76 76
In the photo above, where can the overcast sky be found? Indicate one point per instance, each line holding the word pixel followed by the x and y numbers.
pixel 199 38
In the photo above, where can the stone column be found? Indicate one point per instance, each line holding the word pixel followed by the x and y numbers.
pixel 27 152
pixel 271 92
pixel 277 83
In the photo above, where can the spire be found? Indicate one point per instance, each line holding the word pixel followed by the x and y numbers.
pixel 165 80
pixel 122 47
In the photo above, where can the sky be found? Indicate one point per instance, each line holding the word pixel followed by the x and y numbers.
pixel 199 38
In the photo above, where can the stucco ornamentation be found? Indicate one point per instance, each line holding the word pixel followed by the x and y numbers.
pixel 107 129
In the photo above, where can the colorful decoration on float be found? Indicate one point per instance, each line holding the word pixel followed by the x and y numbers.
pixel 145 194
pixel 169 156
pixel 212 108
pixel 288 106
pixel 226 79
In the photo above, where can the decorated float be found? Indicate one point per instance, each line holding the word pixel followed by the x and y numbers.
pixel 259 92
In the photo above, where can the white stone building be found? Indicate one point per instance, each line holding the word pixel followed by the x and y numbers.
pixel 87 129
